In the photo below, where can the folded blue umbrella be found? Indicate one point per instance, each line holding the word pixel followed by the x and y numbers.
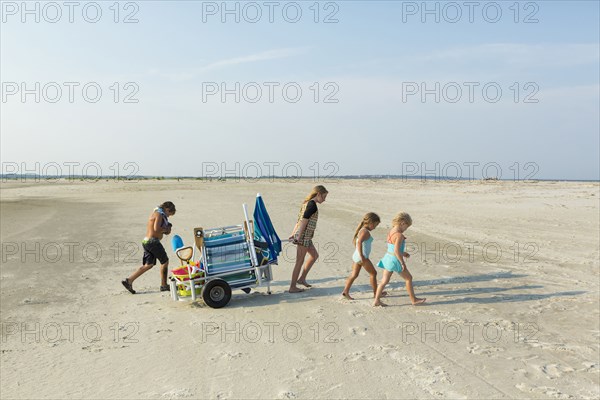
pixel 263 228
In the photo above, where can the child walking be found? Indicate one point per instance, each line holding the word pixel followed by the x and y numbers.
pixel 362 241
pixel 158 225
pixel 302 235
pixel 393 261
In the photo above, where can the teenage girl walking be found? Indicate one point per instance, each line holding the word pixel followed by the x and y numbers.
pixel 302 235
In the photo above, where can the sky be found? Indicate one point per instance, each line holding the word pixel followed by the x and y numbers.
pixel 188 88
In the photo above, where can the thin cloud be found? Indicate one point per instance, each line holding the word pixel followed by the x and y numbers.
pixel 265 55
pixel 232 62
pixel 520 55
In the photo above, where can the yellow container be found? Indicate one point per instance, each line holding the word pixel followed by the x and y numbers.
pixel 181 274
pixel 183 291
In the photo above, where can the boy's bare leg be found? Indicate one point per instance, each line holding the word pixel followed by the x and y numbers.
pixel 384 281
pixel 300 255
pixel 139 272
pixel 164 270
pixel 310 261
pixel 353 275
pixel 409 287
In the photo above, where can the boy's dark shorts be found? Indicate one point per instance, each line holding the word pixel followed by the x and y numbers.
pixel 153 250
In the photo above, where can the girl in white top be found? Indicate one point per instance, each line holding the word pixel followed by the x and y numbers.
pixel 362 241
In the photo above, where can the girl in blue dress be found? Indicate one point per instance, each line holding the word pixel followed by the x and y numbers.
pixel 362 241
pixel 393 261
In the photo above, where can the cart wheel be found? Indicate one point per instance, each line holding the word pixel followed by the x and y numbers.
pixel 216 293
pixel 246 290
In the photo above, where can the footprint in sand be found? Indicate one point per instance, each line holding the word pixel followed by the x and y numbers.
pixel 548 392
pixel 228 356
pixel 527 358
pixel 92 348
pixel 553 371
pixel 30 301
pixel 573 349
pixel 287 394
pixel 487 350
pixel 433 312
pixel 590 367
pixel 301 373
pixel 432 379
pixel 359 356
pixel 356 314
pixel 177 394
pixel 319 312
pixel 400 358
pixel 385 348
pixel 358 330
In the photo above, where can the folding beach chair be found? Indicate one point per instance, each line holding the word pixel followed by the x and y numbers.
pixel 232 257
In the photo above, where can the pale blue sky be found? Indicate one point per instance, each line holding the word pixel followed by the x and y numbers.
pixel 370 55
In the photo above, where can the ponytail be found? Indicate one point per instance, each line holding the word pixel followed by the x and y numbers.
pixel 367 219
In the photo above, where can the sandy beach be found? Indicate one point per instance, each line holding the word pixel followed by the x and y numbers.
pixel 510 271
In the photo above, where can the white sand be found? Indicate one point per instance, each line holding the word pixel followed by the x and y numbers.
pixel 311 345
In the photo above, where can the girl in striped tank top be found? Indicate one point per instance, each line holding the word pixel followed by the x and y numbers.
pixel 302 235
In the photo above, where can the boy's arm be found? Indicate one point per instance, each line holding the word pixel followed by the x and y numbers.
pixel 158 221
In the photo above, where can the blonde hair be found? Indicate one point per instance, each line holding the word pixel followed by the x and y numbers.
pixel 400 217
pixel 319 189
pixel 367 219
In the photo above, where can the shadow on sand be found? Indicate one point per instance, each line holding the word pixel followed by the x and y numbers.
pixel 261 298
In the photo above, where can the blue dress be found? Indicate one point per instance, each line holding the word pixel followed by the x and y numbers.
pixel 390 261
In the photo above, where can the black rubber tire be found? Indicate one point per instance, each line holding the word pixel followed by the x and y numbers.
pixel 216 293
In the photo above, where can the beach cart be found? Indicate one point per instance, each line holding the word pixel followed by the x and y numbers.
pixel 226 258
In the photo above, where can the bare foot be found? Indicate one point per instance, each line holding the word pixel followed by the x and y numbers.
pixel 379 304
pixel 347 295
pixel 295 290
pixel 418 301
pixel 304 283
